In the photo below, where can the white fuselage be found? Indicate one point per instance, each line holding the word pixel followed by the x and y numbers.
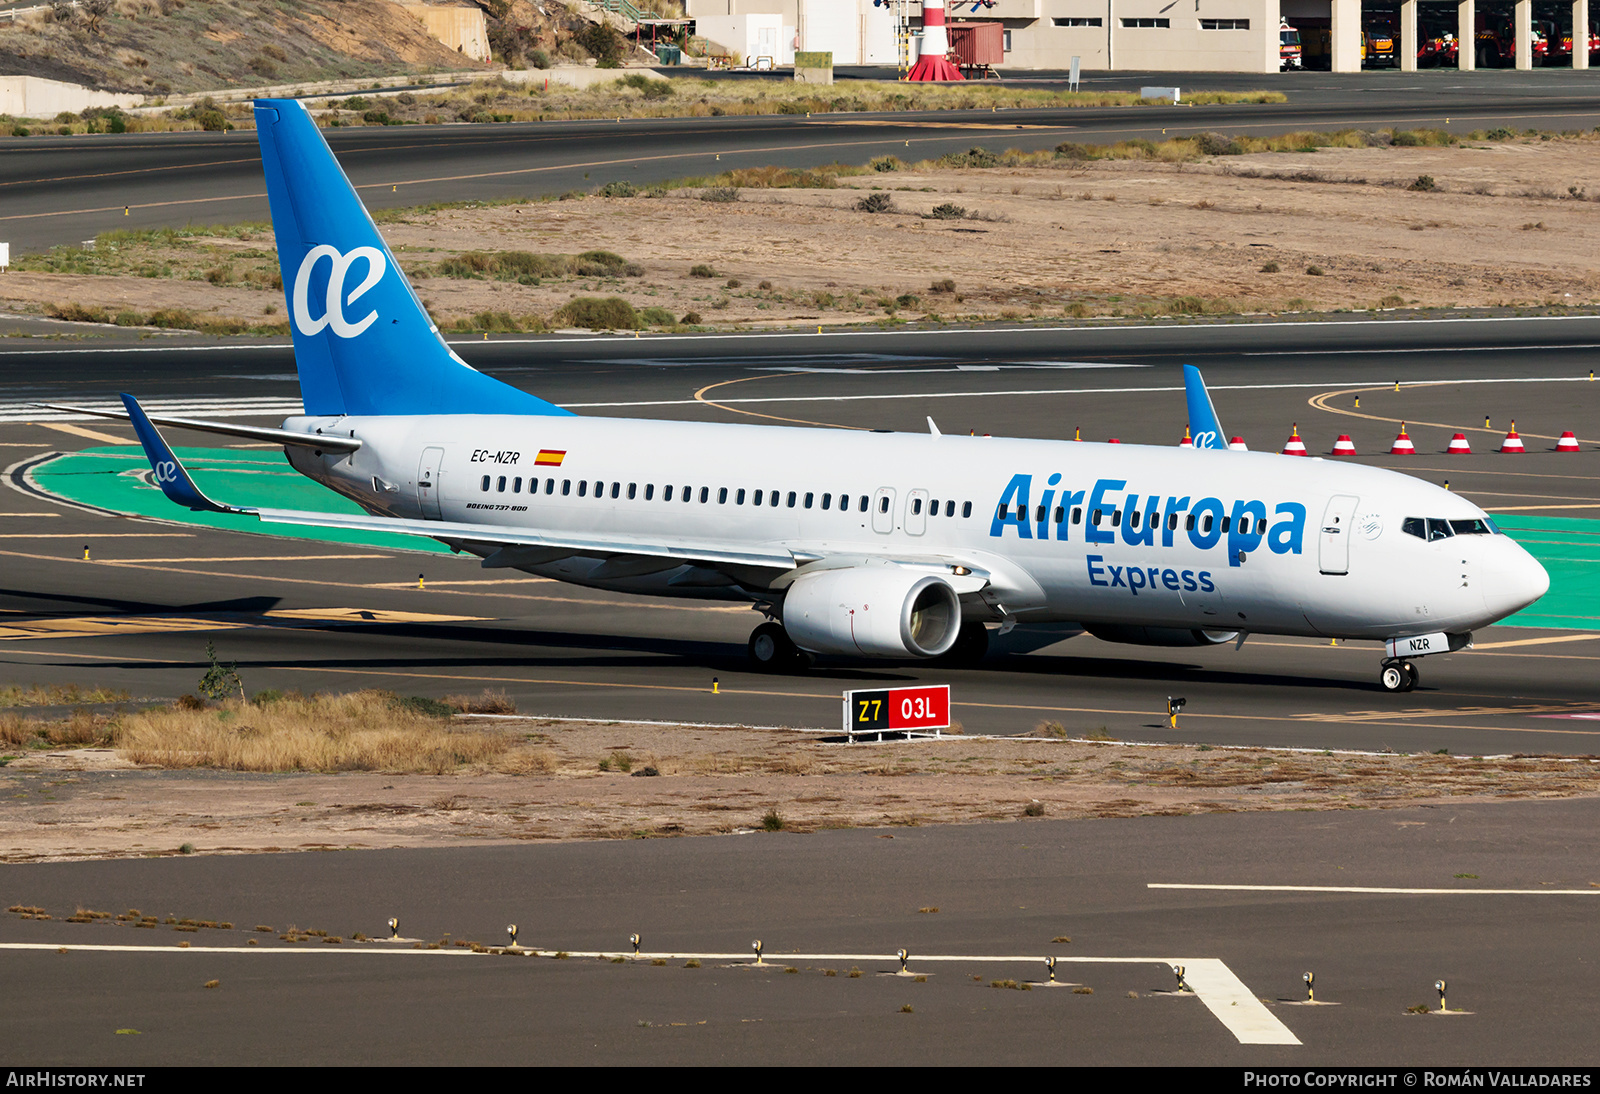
pixel 1216 540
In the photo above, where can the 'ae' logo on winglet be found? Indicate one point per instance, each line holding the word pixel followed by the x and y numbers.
pixel 333 309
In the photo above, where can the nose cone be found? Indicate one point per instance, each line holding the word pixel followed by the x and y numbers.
pixel 1518 581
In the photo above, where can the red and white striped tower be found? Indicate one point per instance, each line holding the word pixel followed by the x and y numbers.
pixel 1238 445
pixel 1402 444
pixel 1344 446
pixel 934 62
pixel 1459 446
pixel 1567 443
pixel 1188 441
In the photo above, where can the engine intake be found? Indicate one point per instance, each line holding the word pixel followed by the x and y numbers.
pixel 872 610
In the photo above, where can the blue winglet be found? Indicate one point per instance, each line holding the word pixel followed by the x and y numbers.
pixel 170 475
pixel 1203 424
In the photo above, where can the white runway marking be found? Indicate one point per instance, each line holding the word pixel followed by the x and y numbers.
pixel 1213 983
pixel 1060 391
pixel 1381 889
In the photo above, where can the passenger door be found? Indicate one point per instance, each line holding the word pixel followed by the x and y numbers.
pixel 428 483
pixel 883 510
pixel 1333 541
pixel 916 512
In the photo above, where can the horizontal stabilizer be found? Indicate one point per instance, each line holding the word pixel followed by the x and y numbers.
pixel 322 442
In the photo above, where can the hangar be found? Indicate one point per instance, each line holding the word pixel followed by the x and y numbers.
pixel 1172 35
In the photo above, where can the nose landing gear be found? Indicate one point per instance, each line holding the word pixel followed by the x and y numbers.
pixel 1397 676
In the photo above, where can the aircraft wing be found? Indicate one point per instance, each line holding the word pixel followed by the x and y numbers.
pixel 175 481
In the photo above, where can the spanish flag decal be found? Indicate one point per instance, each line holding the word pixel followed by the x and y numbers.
pixel 550 457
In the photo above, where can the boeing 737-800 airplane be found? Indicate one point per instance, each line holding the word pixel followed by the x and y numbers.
pixel 851 543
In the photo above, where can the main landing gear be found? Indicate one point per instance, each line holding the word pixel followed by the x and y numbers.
pixel 771 650
pixel 1396 676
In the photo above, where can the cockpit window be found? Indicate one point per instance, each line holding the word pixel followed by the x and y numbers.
pixel 1434 529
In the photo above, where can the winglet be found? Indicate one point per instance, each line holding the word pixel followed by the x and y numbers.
pixel 1203 420
pixel 170 475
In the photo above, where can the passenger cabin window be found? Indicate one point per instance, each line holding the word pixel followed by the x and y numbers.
pixel 566 487
pixel 666 492
pixel 649 491
pixel 827 499
pixel 705 494
pixel 809 497
pixel 486 484
pixel 722 496
pixel 633 490
pixel 738 499
pixel 500 487
pixel 791 499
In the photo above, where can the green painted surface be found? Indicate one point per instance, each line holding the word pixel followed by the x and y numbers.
pixel 114 478
pixel 1569 548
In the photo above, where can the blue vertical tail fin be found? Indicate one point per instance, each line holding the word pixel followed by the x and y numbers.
pixel 363 343
pixel 1203 423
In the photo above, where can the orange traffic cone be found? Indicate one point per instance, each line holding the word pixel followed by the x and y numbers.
pixel 1402 444
pixel 1238 445
pixel 1344 446
pixel 1512 443
pixel 1459 446
pixel 1567 443
pixel 1294 446
pixel 1113 440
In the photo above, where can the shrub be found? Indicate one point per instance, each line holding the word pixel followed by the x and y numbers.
pixel 1270 267
pixel 1314 271
pixel 721 194
pixel 886 163
pixel 1073 151
pixel 213 121
pixel 603 43
pixel 772 822
pixel 656 317
pixel 604 264
pixel 948 211
pixel 690 319
pixel 702 270
pixel 618 190
pixel 972 157
pixel 943 285
pixel 1215 144
pixel 611 313
pixel 878 202
pixel 1423 183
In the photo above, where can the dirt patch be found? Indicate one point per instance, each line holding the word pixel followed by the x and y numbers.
pixel 90 803
pixel 1504 223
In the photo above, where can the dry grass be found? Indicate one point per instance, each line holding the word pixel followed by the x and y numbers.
pixel 55 695
pixel 363 731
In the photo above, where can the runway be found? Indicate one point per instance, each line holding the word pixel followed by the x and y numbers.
pixel 59 190
pixel 290 611
pixel 1495 898
pixel 978 908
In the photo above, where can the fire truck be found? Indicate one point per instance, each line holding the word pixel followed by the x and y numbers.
pixel 1289 55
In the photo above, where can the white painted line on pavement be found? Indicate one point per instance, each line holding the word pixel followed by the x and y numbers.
pixel 1213 983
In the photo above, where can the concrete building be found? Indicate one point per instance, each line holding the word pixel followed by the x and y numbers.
pixel 1209 35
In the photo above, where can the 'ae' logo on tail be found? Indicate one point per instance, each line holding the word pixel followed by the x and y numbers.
pixel 333 310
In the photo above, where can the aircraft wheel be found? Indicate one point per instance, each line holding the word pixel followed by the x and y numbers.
pixel 1413 677
pixel 771 649
pixel 970 646
pixel 1393 678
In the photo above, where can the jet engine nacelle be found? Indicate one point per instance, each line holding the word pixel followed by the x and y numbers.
pixel 1158 636
pixel 872 610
